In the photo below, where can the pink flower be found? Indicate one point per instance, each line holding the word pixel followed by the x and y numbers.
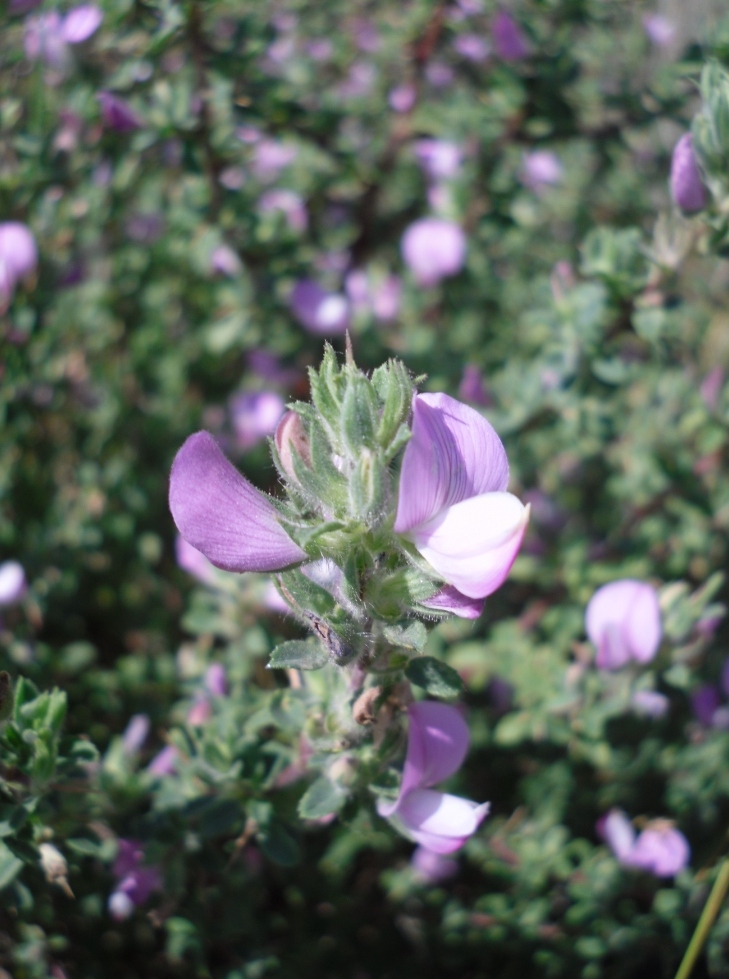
pixel 402 98
pixel 660 30
pixel 118 114
pixel 44 40
pixel 380 296
pixel 225 261
pixel 452 500
pixel 255 414
pixel 687 186
pixel 623 622
pixel 509 40
pixel 432 868
pixel 164 762
pixel 220 513
pixel 660 849
pixel 135 882
pixel 320 312
pixel 81 22
pixel 541 168
pixel 200 712
pixel 437 744
pixel 439 159
pixel 216 680
pixel 270 157
pixel 472 47
pixel 18 257
pixel 135 734
pixel 289 204
pixel 13 585
pixel 433 249
pixel 650 703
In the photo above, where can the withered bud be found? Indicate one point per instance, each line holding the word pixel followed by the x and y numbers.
pixel 291 435
pixel 363 710
pixel 54 867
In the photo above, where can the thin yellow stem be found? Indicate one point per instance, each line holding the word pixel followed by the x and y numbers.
pixel 706 921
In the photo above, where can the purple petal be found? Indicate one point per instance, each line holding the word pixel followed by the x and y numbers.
pixel 80 23
pixel 164 762
pixel 661 850
pixel 619 833
pixel 216 680
pixel 12 583
pixel 437 744
pixel 687 186
pixel 129 856
pixel 508 37
pixel 432 867
pixel 439 822
pixel 704 703
pixel 624 616
pixel 454 454
pixel 434 249
pixel 319 312
pixel 473 544
pixel 449 599
pixel 650 703
pixel 135 733
pixel 223 515
pixel 18 250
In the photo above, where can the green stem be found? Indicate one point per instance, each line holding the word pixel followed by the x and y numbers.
pixel 706 921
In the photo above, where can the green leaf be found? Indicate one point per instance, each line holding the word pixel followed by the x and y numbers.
pixel 278 844
pixel 407 635
pixel 322 798
pixel 299 654
pixel 436 678
pixel 10 866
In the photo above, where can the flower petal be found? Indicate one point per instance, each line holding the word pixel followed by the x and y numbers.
pixel 223 515
pixel 454 454
pixel 437 744
pixel 661 851
pixel 624 616
pixel 449 599
pixel 473 544
pixel 619 834
pixel 438 821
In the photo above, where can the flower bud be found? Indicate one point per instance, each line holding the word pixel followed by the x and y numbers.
pixel 687 186
pixel 291 437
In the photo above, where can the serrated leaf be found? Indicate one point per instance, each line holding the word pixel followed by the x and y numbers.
pixel 435 677
pixel 407 635
pixel 299 654
pixel 322 798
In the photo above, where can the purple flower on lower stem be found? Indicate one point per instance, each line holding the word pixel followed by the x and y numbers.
pixel 623 622
pixel 255 415
pixel 220 513
pixel 437 744
pixel 509 40
pixel 660 849
pixel 118 114
pixel 452 499
pixel 135 881
pixel 318 311
pixel 687 185
pixel 434 249
pixel 13 585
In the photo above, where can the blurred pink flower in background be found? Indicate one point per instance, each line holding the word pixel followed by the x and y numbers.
pixel 540 169
pixel 378 295
pixel 13 585
pixel 48 35
pixel 290 204
pixel 318 311
pixel 438 158
pixel 136 882
pixel 18 258
pixel 270 157
pixel 192 561
pixel 432 868
pixel 135 734
pixel 437 745
pixel 472 387
pixel 402 98
pixel 712 386
pixel 472 47
pixel 623 622
pixel 216 680
pixel 660 849
pixel 118 114
pixel 225 261
pixel 439 74
pixel 164 762
pixel 254 415
pixel 509 40
pixel 433 249
pixel 452 502
pixel 650 703
pixel 687 185
pixel 660 30
pixel 81 22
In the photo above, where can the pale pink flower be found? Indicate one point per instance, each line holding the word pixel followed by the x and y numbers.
pixel 472 47
pixel 540 169
pixel 687 185
pixel 13 585
pixel 432 868
pixel 660 849
pixel 216 680
pixel 255 415
pixel 437 744
pixel 18 257
pixel 290 204
pixel 660 30
pixel 452 499
pixel 164 762
pixel 623 622
pixel 135 734
pixel 434 249
pixel 225 261
pixel 402 98
pixel 318 311
pixel 81 22
pixel 439 158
